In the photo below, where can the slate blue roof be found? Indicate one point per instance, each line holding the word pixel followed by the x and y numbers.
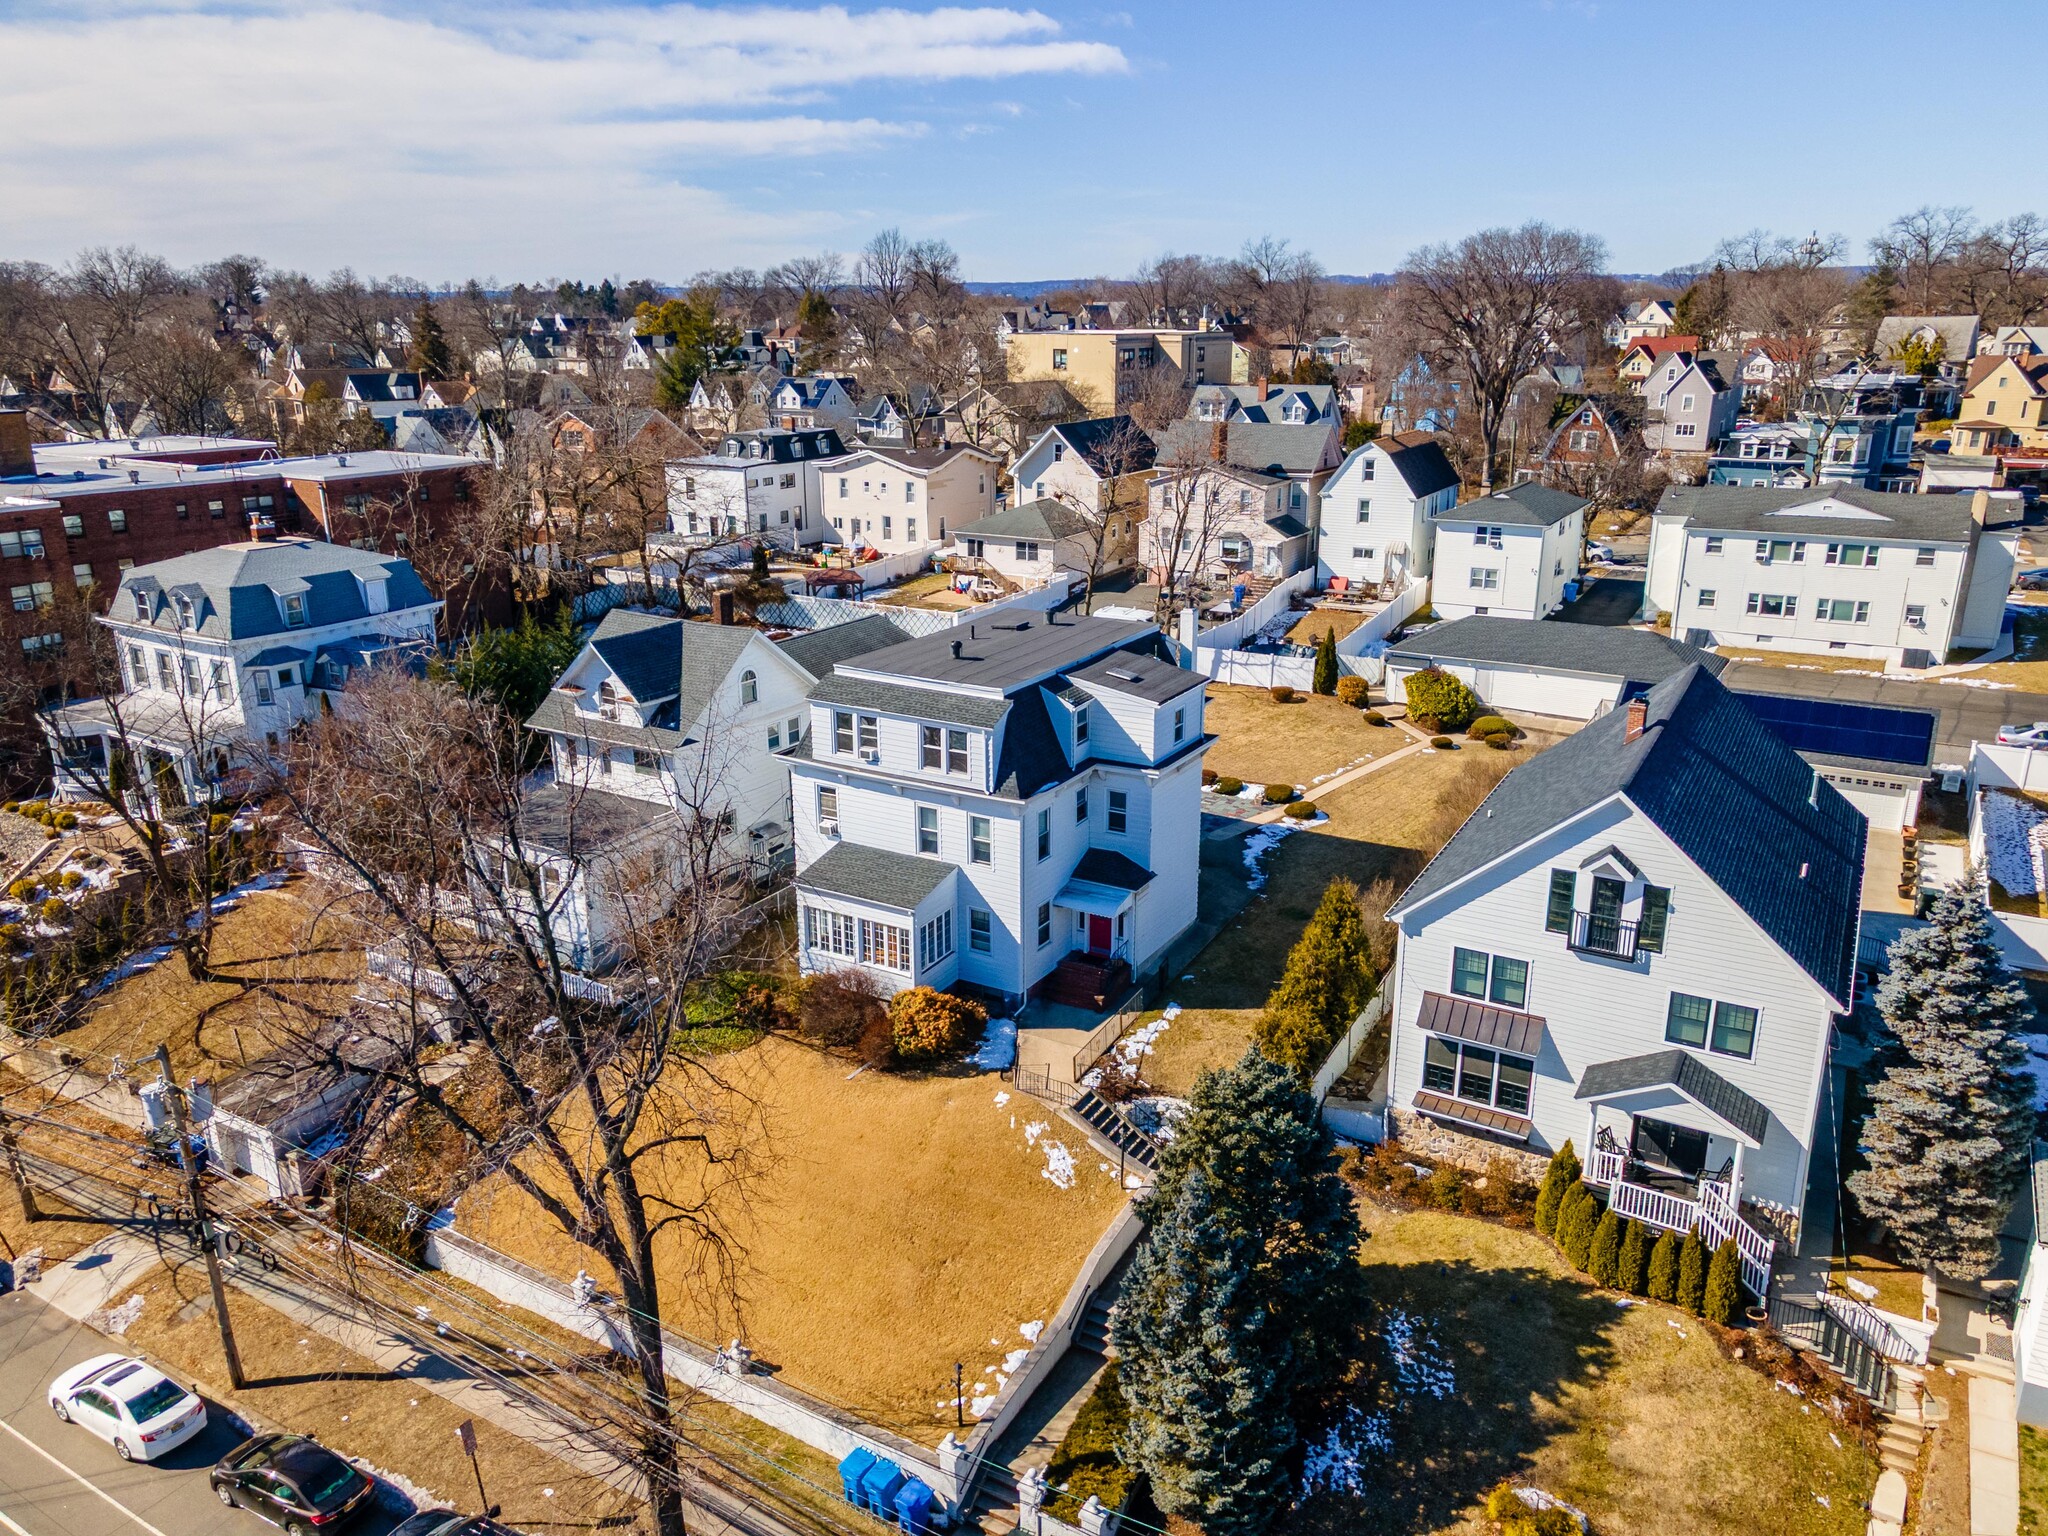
pixel 1781 842
pixel 235 587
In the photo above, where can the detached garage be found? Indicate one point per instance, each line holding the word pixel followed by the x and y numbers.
pixel 1542 667
pixel 1879 758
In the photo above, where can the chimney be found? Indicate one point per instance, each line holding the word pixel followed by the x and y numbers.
pixel 135 477
pixel 1980 508
pixel 1638 717
pixel 16 456
pixel 956 649
pixel 1260 384
pixel 721 607
pixel 1219 441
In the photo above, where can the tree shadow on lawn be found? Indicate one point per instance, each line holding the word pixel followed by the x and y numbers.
pixel 1515 1339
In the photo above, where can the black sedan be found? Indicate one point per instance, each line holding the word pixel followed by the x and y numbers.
pixel 293 1482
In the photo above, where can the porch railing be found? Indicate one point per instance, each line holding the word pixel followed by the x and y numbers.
pixel 1596 935
pixel 1720 1219
pixel 1606 1167
pixel 1658 1207
pixel 1712 1210
pixel 1820 1330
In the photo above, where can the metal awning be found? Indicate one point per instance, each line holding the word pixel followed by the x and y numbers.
pixel 1096 900
pixel 1441 1107
pixel 1464 1018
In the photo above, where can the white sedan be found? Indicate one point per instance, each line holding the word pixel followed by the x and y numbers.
pixel 131 1404
pixel 2035 735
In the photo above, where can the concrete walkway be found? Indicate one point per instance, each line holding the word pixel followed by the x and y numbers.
pixel 1417 743
pixel 1994 1458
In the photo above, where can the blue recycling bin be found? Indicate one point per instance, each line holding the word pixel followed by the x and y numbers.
pixel 878 1486
pixel 914 1507
pixel 1571 591
pixel 852 1470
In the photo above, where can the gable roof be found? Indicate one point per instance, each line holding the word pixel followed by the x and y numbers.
pixel 1041 519
pixel 1109 444
pixel 1689 1075
pixel 657 657
pixel 1417 457
pixel 1274 449
pixel 1528 505
pixel 1958 333
pixel 1640 656
pixel 1780 842
pixel 817 651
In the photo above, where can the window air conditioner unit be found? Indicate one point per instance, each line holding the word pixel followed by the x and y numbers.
pixel 872 758
pixel 830 827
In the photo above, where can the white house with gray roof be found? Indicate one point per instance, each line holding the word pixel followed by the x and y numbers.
pixel 1641 943
pixel 1570 671
pixel 225 650
pixel 762 485
pixel 1895 577
pixel 1380 510
pixel 1012 805
pixel 1510 554
pixel 659 729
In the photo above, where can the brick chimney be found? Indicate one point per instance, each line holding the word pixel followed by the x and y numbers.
pixel 1259 385
pixel 1219 442
pixel 1638 718
pixel 16 456
pixel 721 607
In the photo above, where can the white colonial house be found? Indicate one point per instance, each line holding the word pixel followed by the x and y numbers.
pixel 1012 805
pixel 1640 943
pixel 658 724
pixel 1509 554
pixel 895 501
pixel 1884 574
pixel 1025 546
pixel 762 483
pixel 812 400
pixel 1090 464
pixel 225 650
pixel 1380 511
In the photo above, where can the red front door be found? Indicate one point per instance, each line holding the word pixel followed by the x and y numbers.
pixel 1098 935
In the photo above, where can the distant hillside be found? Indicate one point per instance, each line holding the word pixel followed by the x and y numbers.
pixel 1039 287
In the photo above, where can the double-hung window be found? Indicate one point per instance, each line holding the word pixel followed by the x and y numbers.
pixel 980 845
pixel 1494 978
pixel 828 804
pixel 956 751
pixel 1852 554
pixel 870 734
pixel 979 928
pixel 932 741
pixel 1081 726
pixel 1044 924
pixel 1728 1029
pixel 1780 551
pixel 1491 1079
pixel 1045 834
pixel 1119 811
pixel 1704 598
pixel 842 731
pixel 927 829
pixel 1081 803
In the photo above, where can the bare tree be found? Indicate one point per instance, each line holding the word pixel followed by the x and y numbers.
pixel 1488 308
pixel 86 322
pixel 1109 519
pixel 1786 289
pixel 409 797
pixel 1921 245
pixel 188 380
pixel 918 327
pixel 1169 284
pixel 1187 507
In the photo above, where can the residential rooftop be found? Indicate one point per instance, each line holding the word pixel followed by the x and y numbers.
pixel 1529 506
pixel 1588 650
pixel 995 656
pixel 1831 512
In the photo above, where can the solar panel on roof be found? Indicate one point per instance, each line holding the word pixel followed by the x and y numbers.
pixel 1838 729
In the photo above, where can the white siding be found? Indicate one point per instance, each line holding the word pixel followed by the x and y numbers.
pixel 1522 690
pixel 1522 574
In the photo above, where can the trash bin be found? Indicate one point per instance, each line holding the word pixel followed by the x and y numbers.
pixel 878 1487
pixel 852 1470
pixel 914 1507
pixel 1571 591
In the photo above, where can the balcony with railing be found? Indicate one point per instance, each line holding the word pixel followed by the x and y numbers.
pixel 1593 933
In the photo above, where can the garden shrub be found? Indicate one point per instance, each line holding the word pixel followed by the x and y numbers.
pixel 1279 794
pixel 1209 775
pixel 218 824
pixel 11 806
pixel 1351 690
pixel 1577 1218
pixel 1087 1460
pixel 1442 743
pixel 1500 741
pixel 23 889
pixel 759 1010
pixel 1633 1273
pixel 1282 694
pixel 1302 810
pixel 1486 725
pixel 877 1047
pixel 1324 680
pixel 1604 1263
pixel 70 880
pixel 54 910
pixel 67 821
pixel 1558 1178
pixel 925 1023
pixel 1230 786
pixel 1664 1268
pixel 1439 701
pixel 838 1008
pixel 1374 717
pixel 1722 1300
pixel 51 834
pixel 1692 1273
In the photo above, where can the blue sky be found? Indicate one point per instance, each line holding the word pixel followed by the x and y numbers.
pixel 648 138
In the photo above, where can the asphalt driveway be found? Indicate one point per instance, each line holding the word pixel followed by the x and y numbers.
pixel 1604 600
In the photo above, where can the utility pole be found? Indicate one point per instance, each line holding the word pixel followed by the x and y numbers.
pixel 30 1211
pixel 176 1099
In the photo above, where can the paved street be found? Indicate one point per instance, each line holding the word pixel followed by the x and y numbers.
pixel 1967 714
pixel 58 1480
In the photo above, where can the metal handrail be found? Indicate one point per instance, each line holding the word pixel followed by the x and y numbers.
pixel 1593 934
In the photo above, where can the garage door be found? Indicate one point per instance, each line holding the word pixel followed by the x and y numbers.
pixel 1884 808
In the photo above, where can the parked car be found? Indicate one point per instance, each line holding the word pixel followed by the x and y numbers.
pixel 445 1522
pixel 2032 581
pixel 1599 554
pixel 2035 735
pixel 293 1482
pixel 133 1405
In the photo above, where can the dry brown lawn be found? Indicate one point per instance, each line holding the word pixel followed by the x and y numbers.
pixel 289 972
pixel 903 1223
pixel 1198 1040
pixel 1320 621
pixel 1262 742
pixel 1898 1285
pixel 2027 668
pixel 1644 1425
pixel 1802 661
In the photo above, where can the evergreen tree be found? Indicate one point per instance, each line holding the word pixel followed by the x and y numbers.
pixel 1604 1263
pixel 1633 1275
pixel 1947 1145
pixel 1559 1177
pixel 1327 983
pixel 1692 1273
pixel 517 666
pixel 430 356
pixel 1241 1299
pixel 1664 1268
pixel 1576 1220
pixel 1326 663
pixel 1722 1301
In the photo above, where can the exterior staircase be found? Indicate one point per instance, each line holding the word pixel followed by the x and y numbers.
pixel 1108 1123
pixel 996 1508
pixel 1087 981
pixel 1094 1330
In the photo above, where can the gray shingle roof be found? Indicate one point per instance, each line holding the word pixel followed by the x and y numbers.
pixel 900 699
pixel 817 651
pixel 1041 519
pixel 240 584
pixel 1588 650
pixel 1282 449
pixel 1031 758
pixel 658 658
pixel 899 880
pixel 574 821
pixel 1004 652
pixel 1530 505
pixel 1419 459
pixel 1784 514
pixel 1109 445
pixel 1778 840
pixel 1689 1075
pixel 1105 866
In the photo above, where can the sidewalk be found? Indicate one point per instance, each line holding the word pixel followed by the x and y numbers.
pixel 1994 1458
pixel 1417 743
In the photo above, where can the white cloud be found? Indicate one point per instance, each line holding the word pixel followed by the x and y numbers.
pixel 439 138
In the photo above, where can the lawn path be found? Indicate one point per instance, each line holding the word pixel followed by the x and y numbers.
pixel 1419 743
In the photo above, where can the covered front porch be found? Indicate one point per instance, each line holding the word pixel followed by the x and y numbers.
pixel 1097 907
pixel 165 753
pixel 1667 1138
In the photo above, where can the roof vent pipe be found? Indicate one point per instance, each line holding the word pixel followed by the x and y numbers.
pixel 956 649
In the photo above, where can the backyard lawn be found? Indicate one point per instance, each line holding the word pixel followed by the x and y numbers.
pixel 904 1223
pixel 1303 742
pixel 2033 1482
pixel 1318 621
pixel 1519 1369
pixel 1802 661
pixel 2027 669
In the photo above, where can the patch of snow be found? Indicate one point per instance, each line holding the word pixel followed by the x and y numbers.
pixel 1013 1359
pixel 1257 844
pixel 119 1319
pixel 1033 1131
pixel 1158 1115
pixel 1862 1288
pixel 1059 1165
pixel 1975 682
pixel 982 1406
pixel 998 1049
pixel 1418 1362
pixel 1031 1330
pixel 2036 1067
pixel 1337 1462
pixel 2013 828
pixel 1002 1099
pixel 1541 1498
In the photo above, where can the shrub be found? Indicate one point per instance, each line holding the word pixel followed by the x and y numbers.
pixel 1088 1459
pixel 1722 1300
pixel 1558 1178
pixel 23 889
pixel 877 1047
pixel 838 1008
pixel 67 821
pixel 218 824
pixel 1443 743
pixel 1208 775
pixel 1282 694
pixel 1500 741
pixel 51 834
pixel 70 880
pixel 1517 1517
pixel 760 1010
pixel 11 806
pixel 1444 1188
pixel 1351 690
pixel 1327 980
pixel 1604 1262
pixel 1486 725
pixel 1692 1273
pixel 1374 717
pixel 1230 786
pixel 54 910
pixel 1433 694
pixel 1633 1274
pixel 1325 679
pixel 925 1023
pixel 1279 794
pixel 1663 1281
pixel 1576 1220
pixel 1302 810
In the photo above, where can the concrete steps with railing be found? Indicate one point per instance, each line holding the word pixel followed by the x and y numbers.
pixel 1108 1123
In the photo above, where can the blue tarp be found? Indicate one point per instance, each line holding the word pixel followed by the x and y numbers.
pixel 859 1461
pixel 914 1507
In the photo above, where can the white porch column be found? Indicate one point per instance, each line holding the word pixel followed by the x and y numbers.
pixel 1592 1131
pixel 1735 1178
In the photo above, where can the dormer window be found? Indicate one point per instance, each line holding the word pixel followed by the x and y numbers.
pixel 608 700
pixel 1081 726
pixel 141 605
pixel 184 611
pixel 295 610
